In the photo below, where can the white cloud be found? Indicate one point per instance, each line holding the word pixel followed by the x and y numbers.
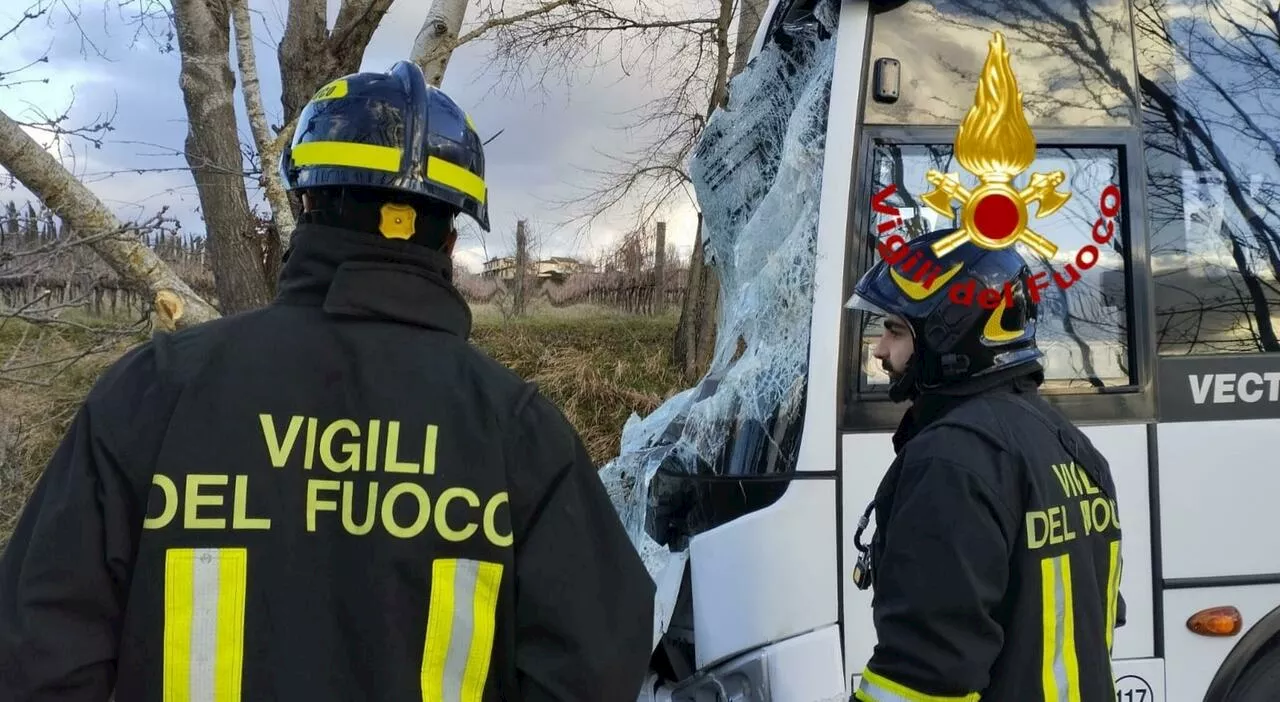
pixel 470 259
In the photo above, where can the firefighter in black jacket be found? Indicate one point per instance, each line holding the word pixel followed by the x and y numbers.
pixel 336 497
pixel 996 558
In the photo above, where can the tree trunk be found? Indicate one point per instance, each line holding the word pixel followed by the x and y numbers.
pixel 213 152
pixel 311 56
pixel 138 266
pixel 660 269
pixel 696 331
pixel 438 38
pixel 749 15
pixel 522 265
pixel 268 151
pixel 698 313
pixel 303 60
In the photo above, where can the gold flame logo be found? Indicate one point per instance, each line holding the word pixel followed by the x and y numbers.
pixel 995 143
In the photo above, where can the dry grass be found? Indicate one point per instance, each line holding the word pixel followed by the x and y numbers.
pixel 597 366
pixel 38 402
pixel 597 369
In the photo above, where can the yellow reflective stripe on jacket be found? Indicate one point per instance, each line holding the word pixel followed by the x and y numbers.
pixel 877 688
pixel 1060 673
pixel 460 629
pixel 204 591
pixel 1113 591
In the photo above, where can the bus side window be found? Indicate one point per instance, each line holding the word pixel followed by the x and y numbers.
pixel 1083 289
pixel 1209 86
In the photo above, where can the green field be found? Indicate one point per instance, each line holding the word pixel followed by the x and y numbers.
pixel 596 365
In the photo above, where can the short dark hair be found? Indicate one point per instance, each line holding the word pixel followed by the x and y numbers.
pixel 361 209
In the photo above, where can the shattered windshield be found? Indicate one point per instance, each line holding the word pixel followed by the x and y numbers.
pixel 726 446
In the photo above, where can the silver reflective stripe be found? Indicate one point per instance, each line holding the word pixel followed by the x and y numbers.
pixel 204 623
pixel 1060 675
pixel 461 630
pixel 1059 666
pixel 204 605
pixel 872 692
pixel 875 688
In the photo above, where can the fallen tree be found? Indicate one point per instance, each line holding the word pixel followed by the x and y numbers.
pixel 177 305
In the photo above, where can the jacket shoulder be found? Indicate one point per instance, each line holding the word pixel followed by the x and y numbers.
pixel 981 426
pixel 528 404
pixel 179 355
pixel 983 438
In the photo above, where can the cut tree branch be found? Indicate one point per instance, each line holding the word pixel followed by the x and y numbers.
pixel 177 304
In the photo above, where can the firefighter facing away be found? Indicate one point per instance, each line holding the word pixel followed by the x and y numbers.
pixel 335 497
pixel 996 557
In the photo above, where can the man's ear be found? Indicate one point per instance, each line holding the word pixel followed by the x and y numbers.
pixel 449 240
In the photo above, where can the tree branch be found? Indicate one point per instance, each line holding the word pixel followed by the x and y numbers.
pixel 72 202
pixel 281 210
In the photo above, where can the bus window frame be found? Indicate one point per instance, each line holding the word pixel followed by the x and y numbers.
pixel 860 412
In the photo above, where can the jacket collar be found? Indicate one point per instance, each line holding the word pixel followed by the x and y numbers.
pixel 931 406
pixel 352 273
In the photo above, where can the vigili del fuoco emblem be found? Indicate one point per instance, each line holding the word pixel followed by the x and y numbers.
pixel 995 143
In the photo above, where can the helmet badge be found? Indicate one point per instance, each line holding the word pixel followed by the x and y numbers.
pixel 995 143
pixel 397 221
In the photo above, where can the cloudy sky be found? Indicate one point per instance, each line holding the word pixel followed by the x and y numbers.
pixel 102 66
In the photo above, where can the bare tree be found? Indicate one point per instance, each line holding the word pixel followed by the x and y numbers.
pixel 214 155
pixel 241 256
pixel 267 144
pixel 88 221
pixel 441 32
pixel 512 294
pixel 695 334
pixel 692 55
pixel 310 54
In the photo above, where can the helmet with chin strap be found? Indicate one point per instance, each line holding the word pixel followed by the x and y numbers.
pixel 970 312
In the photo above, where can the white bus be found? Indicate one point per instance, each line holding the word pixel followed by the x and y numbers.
pixel 1166 351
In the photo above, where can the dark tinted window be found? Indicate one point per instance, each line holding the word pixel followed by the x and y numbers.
pixel 1073 59
pixel 1210 83
pixel 1084 328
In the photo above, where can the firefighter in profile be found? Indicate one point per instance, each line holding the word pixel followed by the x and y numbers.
pixel 335 497
pixel 995 560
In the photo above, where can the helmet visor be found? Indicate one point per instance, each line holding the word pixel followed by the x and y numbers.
pixel 861 302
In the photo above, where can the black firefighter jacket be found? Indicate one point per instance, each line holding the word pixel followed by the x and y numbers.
pixel 334 498
pixel 996 561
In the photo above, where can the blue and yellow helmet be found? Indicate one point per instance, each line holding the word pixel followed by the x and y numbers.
pixel 389 131
pixel 971 312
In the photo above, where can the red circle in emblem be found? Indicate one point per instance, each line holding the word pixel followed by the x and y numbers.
pixel 996 216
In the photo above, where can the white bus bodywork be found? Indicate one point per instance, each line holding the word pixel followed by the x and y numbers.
pixel 773 603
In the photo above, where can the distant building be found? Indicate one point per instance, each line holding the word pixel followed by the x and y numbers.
pixel 554 268
pixel 503 268
pixel 558 267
